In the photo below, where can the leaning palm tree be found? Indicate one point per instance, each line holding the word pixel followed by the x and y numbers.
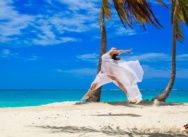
pixel 129 12
pixel 179 14
pixel 95 97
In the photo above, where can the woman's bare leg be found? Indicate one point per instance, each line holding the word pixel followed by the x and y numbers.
pixel 119 84
pixel 92 88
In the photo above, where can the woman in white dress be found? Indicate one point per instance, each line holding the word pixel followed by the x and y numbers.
pixel 124 74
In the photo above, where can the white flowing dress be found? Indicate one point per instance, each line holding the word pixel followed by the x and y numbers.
pixel 128 73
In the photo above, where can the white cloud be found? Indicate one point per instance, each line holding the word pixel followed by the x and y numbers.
pixel 82 71
pixel 125 32
pixel 11 21
pixel 71 19
pixel 74 21
pixel 149 57
pixel 93 58
pixel 33 58
pixel 46 29
pixel 151 72
pixel 81 4
pixel 49 1
pixel 44 41
pixel 88 56
pixel 182 57
pixel 183 73
pixel 6 53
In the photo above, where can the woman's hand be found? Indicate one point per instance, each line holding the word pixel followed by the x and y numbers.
pixel 128 51
pixel 115 51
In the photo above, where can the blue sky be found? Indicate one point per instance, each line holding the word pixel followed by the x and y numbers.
pixel 55 44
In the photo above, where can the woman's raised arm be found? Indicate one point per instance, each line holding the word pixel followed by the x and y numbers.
pixel 125 51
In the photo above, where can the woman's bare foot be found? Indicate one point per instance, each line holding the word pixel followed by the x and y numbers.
pixel 85 97
pixel 138 101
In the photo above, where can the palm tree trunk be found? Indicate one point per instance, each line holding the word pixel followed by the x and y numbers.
pixel 95 96
pixel 163 96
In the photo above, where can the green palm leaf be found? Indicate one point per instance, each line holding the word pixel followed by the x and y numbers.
pixel 130 11
pixel 162 3
pixel 179 32
pixel 184 9
pixel 181 17
pixel 106 7
pixel 121 13
pixel 140 11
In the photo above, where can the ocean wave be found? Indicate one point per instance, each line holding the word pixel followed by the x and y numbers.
pixel 60 103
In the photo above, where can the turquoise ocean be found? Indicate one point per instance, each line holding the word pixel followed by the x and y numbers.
pixel 23 98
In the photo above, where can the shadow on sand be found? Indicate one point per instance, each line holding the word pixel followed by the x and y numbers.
pixel 107 130
pixel 110 114
pixel 126 103
pixel 111 131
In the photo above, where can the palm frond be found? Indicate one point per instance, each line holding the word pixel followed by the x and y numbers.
pixel 179 31
pixel 120 1
pixel 177 20
pixel 184 10
pixel 162 3
pixel 121 13
pixel 140 11
pixel 182 16
pixel 106 7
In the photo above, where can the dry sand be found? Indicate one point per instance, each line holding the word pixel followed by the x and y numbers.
pixel 95 120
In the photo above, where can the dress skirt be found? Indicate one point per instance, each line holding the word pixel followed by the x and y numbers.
pixel 128 73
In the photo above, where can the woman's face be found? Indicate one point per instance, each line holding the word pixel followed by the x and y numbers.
pixel 113 48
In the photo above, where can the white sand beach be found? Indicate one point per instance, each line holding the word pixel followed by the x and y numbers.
pixel 95 119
